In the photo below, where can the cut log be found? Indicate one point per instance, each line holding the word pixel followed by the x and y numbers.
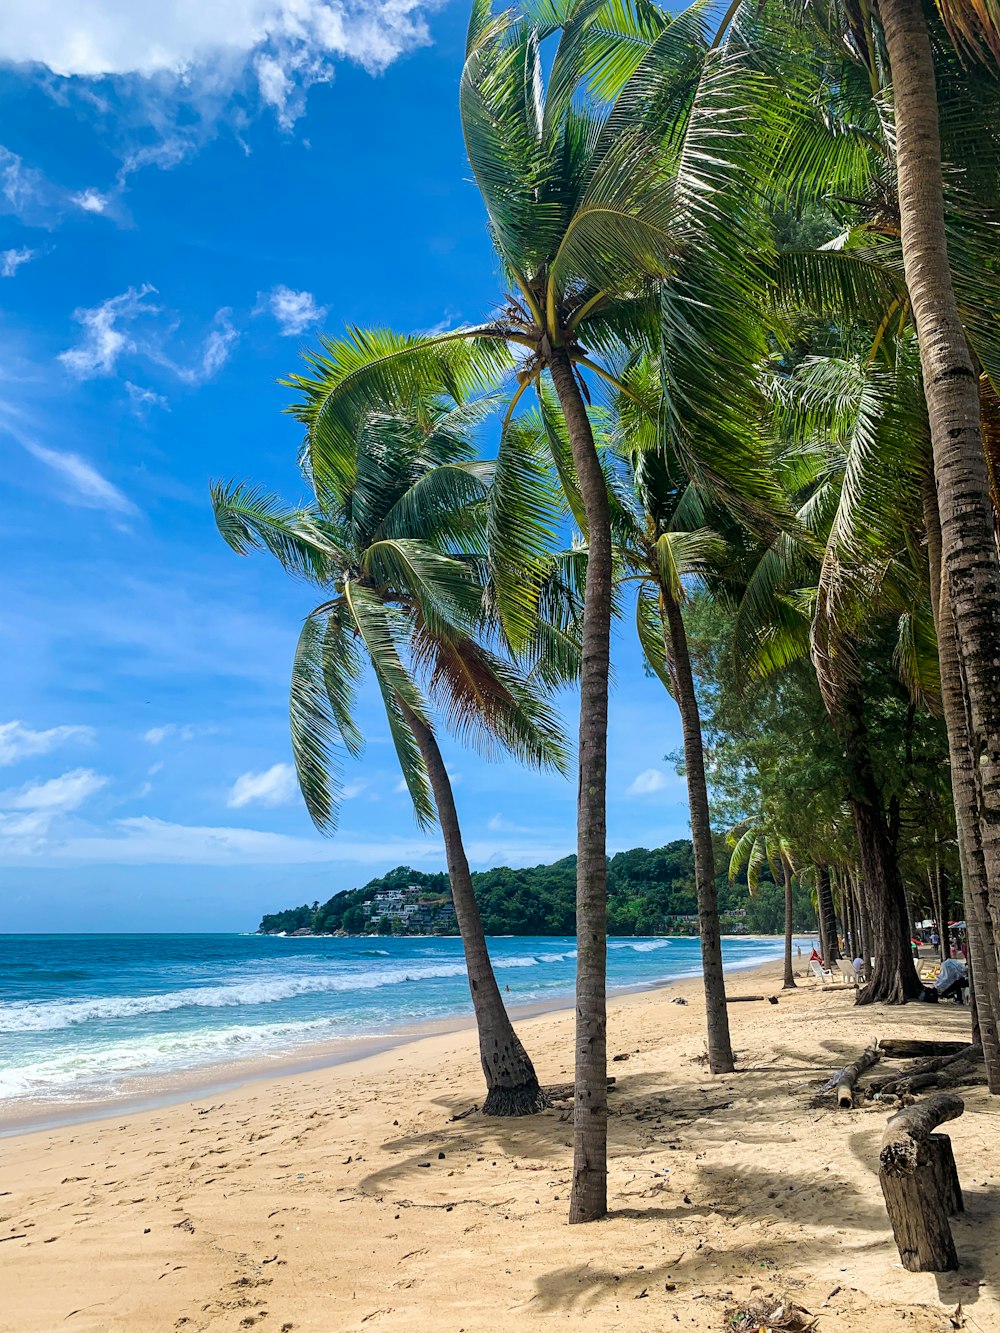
pixel 908 1130
pixel 941 1159
pixel 850 1075
pixel 920 1183
pixel 919 1221
pixel 743 999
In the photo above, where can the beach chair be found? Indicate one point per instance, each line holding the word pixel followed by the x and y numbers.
pixel 848 971
pixel 820 973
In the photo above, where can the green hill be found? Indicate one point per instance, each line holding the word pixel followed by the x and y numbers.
pixel 649 892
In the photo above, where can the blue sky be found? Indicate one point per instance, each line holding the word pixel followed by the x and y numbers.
pixel 187 193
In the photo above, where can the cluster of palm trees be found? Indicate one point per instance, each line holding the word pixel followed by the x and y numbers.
pixel 693 392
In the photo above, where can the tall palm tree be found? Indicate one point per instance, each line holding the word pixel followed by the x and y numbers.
pixel 398 555
pixel 755 844
pixel 594 180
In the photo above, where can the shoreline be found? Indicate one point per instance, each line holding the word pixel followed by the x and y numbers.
pixel 25 1116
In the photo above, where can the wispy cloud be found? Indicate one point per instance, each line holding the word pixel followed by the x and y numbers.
pixel 103 338
pixel 56 795
pixel 19 741
pixel 11 260
pixel 276 785
pixel 647 783
pixel 141 398
pixel 24 191
pixel 33 838
pixel 182 732
pixel 85 484
pixel 212 356
pixel 295 312
pixel 125 326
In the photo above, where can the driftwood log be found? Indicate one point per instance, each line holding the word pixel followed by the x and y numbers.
pixel 945 1071
pixel 920 1183
pixel 850 1075
pixel 902 1048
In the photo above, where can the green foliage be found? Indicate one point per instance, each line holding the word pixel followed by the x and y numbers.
pixel 645 890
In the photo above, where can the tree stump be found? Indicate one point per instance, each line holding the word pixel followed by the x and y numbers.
pixel 920 1184
pixel 941 1160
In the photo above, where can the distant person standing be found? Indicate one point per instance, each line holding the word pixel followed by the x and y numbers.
pixel 935 939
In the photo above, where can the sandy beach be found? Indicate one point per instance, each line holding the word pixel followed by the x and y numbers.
pixel 362 1196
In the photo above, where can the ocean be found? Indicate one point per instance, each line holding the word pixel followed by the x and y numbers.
pixel 87 1018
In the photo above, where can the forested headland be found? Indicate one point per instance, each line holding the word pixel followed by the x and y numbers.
pixel 649 892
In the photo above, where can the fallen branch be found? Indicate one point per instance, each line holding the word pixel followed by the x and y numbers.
pixel 943 1071
pixel 850 1075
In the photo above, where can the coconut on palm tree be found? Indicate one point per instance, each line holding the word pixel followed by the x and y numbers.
pixel 397 550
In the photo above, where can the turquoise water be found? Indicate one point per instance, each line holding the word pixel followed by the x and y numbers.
pixel 84 1016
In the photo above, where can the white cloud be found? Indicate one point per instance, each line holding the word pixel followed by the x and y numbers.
pixel 110 332
pixel 141 398
pixel 91 201
pixel 187 732
pixel 353 789
pixel 18 741
pixel 32 838
pixel 103 341
pixel 276 785
pixel 213 355
pixel 294 311
pixel 24 191
pixel 57 795
pixel 11 261
pixel 87 486
pixel 189 39
pixel 499 824
pixel 647 783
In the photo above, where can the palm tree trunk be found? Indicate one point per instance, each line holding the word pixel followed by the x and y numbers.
pixel 971 568
pixel 720 1049
pixel 975 892
pixel 893 977
pixel 828 916
pixel 789 981
pixel 511 1085
pixel 589 1194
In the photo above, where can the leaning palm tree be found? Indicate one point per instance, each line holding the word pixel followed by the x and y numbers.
pixel 594 181
pixel 399 558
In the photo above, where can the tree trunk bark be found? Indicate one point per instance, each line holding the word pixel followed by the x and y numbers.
pixel 511 1085
pixel 789 979
pixel 970 563
pixel 975 893
pixel 589 1194
pixel 720 1050
pixel 828 916
pixel 893 978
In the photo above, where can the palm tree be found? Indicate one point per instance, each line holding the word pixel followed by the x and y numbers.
pixel 594 181
pixel 398 556
pixel 662 543
pixel 754 844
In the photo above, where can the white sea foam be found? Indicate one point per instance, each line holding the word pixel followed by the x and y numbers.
pixel 51 1015
pixel 643 946
pixel 84 1068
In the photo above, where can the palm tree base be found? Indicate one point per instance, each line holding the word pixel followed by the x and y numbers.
pixel 525 1099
